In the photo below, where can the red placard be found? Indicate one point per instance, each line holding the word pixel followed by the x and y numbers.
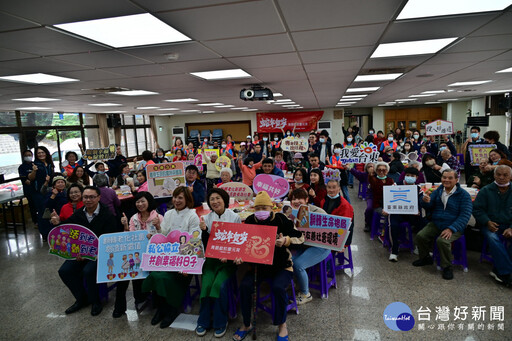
pixel 275 121
pixel 252 243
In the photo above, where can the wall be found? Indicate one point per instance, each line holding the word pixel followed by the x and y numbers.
pixel 378 118
pixel 456 113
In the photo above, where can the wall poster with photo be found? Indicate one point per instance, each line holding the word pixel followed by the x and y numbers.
pixel 413 125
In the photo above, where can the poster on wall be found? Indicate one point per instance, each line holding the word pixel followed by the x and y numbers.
pixel 300 121
pixel 164 178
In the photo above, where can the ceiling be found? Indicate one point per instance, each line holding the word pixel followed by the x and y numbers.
pixel 310 51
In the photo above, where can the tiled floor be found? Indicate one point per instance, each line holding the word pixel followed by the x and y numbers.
pixel 34 300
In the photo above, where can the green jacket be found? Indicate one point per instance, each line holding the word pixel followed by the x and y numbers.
pixel 492 205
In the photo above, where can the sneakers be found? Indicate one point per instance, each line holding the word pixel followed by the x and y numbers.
pixel 416 250
pixel 393 258
pixel 502 279
pixel 381 239
pixel 448 273
pixel 200 331
pixel 303 298
pixel 219 332
pixel 424 261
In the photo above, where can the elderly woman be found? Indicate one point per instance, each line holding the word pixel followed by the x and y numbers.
pixel 377 182
pixel 216 273
pixel 54 200
pixel 281 270
pixel 169 288
pixel 109 197
pixel 496 158
pixel 225 176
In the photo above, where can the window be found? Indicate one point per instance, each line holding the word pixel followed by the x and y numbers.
pixel 8 119
pixel 128 120
pixel 141 140
pixel 90 120
pixel 92 138
pixel 10 155
pixel 130 139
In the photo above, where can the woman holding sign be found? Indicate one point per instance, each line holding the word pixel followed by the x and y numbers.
pixel 169 288
pixel 216 273
pixel 281 270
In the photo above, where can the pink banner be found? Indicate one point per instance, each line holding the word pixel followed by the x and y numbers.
pixel 300 121
pixel 275 186
pixel 69 241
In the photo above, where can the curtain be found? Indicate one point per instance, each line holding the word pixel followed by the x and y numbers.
pixel 103 127
pixel 152 122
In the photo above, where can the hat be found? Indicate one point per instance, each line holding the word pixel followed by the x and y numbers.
pixel 249 137
pixel 242 143
pixel 298 156
pixel 57 178
pixel 263 199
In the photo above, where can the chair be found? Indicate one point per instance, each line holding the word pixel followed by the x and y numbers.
pixel 270 309
pixel 460 158
pixel 217 134
pixel 205 133
pixel 193 291
pixel 363 187
pixel 458 251
pixel 406 241
pixel 344 262
pixel 322 272
pixel 377 225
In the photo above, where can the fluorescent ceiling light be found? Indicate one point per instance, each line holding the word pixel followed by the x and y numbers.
pixel 224 106
pixel 128 30
pixel 497 91
pixel 433 92
pixel 284 100
pixel 134 93
pixel 166 109
pixel 105 104
pixel 374 88
pixel 350 99
pixel 385 104
pixel 291 105
pixel 432 102
pixel 222 74
pixel 210 104
pixel 37 78
pixel 448 100
pixel 115 112
pixel 180 100
pixel 146 108
pixel 354 96
pixel 208 112
pixel 345 103
pixel 250 110
pixel 277 94
pixel 383 77
pixel 405 99
pixel 469 83
pixel 34 108
pixel 434 8
pixel 167 115
pixel 505 70
pixel 240 108
pixel 422 95
pixel 36 99
pixel 191 110
pixel 409 48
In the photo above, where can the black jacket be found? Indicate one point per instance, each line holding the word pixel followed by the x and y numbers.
pixel 104 222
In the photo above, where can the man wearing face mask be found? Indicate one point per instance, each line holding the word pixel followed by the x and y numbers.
pixel 266 147
pixel 335 204
pixel 473 139
pixel 493 213
pixel 323 146
pixel 100 168
pixel 26 170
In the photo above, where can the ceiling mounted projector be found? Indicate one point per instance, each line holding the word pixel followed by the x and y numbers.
pixel 256 93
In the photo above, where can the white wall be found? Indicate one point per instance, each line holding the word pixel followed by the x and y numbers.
pixel 378 119
pixel 456 113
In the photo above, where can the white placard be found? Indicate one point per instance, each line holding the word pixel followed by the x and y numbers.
pixel 401 199
pixel 439 127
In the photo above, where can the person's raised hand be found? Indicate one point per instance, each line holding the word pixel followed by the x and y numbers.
pixel 54 218
pixel 34 167
pixel 124 220
pixel 202 224
pixel 280 240
pixel 156 223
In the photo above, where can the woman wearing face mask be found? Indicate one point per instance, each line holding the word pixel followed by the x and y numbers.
pixel 377 183
pixel 407 148
pixel 27 172
pixel 266 146
pixel 225 148
pixel 496 158
pixel 75 202
pixel 390 142
pixel 275 145
pixel 317 190
pixel 420 179
pixel 335 204
pixel 281 270
pixel 430 169
pixel 124 169
pixel 350 143
pixel 296 162
pixel 417 141
pixel 79 176
pixel 160 156
pixel 301 180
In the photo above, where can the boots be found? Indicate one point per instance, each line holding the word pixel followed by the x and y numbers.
pixel 170 313
pixel 159 313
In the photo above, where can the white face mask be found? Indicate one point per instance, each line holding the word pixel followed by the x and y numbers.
pixel 322 140
pixel 224 145
pixel 349 139
pixel 390 139
pixel 27 158
pixel 337 151
pixel 276 138
pixel 265 139
pixel 416 137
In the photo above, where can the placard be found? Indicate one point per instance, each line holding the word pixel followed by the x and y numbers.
pixel 238 190
pixel 252 243
pixel 178 252
pixel 222 162
pixel 439 127
pixel 198 162
pixel 208 152
pixel 299 121
pixel 478 152
pixel 365 153
pixel 120 255
pixel 107 153
pixel 401 199
pixel 331 174
pixel 294 144
pixel 70 240
pixel 275 186
pixel 164 178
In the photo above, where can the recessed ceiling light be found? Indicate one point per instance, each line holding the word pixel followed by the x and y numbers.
pixel 191 110
pixel 37 78
pixel 422 95
pixel 434 8
pixel 224 106
pixel 105 104
pixel 34 108
pixel 505 70
pixel 405 99
pixel 383 77
pixel 250 110
pixel 115 112
pixel 146 108
pixel 277 94
pixel 167 109
pixel 239 108
pixel 210 104
pixel 448 100
pixel 469 83
pixel 180 100
pixel 208 112
pixel 409 48
pixel 222 74
pixel 432 102
pixel 350 99
pixel 36 99
pixel 374 88
pixel 128 30
pixel 433 92
pixel 134 93
pixel 354 96
pixel 497 91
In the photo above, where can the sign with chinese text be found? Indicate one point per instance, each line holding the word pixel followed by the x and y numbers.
pixel 238 190
pixel 222 162
pixel 178 252
pixel 198 162
pixel 300 121
pixel 164 178
pixel 275 186
pixel 208 153
pixel 478 152
pixel 401 199
pixel 107 153
pixel 365 153
pixel 252 243
pixel 294 144
pixel 439 127
pixel 69 241
pixel 331 174
pixel 120 256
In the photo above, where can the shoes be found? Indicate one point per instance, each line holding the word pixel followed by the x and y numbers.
pixel 502 279
pixel 367 228
pixel 169 318
pixel 200 331
pixel 424 261
pixel 75 307
pixel 220 332
pixel 303 298
pixel 393 258
pixel 157 318
pixel 117 313
pixel 381 239
pixel 96 309
pixel 416 251
pixel 448 273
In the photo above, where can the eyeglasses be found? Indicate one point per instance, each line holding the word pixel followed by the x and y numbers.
pixel 89 197
pixel 381 169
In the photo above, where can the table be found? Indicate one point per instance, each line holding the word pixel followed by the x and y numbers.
pixel 7 201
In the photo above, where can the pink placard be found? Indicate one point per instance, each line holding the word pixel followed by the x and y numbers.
pixel 69 241
pixel 177 252
pixel 237 190
pixel 275 186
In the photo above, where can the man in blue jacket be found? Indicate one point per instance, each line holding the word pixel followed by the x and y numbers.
pixel 493 213
pixel 268 167
pixel 451 209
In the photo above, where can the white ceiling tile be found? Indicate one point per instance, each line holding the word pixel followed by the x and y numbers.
pixel 102 59
pixel 11 23
pixel 478 56
pixel 166 5
pixel 35 65
pixel 186 51
pixel 173 68
pixel 269 75
pixel 472 44
pixel 499 26
pixel 336 55
pixel 278 43
pixel 353 66
pixel 8 54
pixel 270 60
